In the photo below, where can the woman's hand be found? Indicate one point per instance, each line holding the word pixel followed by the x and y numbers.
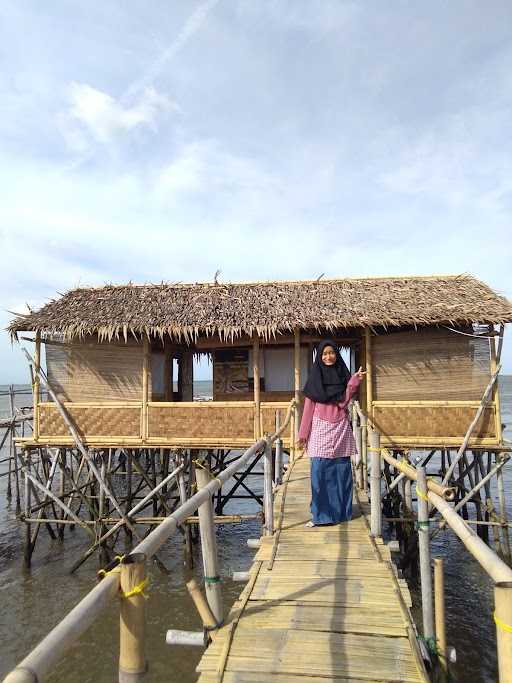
pixel 360 373
pixel 301 443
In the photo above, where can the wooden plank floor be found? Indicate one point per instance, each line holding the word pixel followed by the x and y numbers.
pixel 327 608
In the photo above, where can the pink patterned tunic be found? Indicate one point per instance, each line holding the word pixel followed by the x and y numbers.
pixel 325 427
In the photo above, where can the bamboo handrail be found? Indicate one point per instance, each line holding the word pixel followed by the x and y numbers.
pixel 53 646
pixel 286 422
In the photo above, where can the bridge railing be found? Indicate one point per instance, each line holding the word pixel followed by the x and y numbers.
pixel 434 497
pixel 127 578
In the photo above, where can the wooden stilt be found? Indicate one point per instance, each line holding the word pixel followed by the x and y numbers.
pixel 375 477
pixel 256 380
pixel 268 497
pixel 424 549
pixel 132 634
pixel 209 550
pixel 440 615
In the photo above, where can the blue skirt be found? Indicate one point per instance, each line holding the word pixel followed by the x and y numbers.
pixel 331 490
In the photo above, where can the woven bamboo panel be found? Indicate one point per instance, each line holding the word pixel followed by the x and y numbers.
pixel 91 421
pixel 434 421
pixel 268 418
pixel 430 364
pixel 202 421
pixel 95 372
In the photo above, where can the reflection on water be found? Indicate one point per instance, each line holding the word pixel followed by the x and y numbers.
pixel 34 601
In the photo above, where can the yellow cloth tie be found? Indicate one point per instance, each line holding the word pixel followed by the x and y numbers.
pixel 137 590
pixel 502 624
pixel 375 450
pixel 421 494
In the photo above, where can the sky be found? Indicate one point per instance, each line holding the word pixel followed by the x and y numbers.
pixel 160 141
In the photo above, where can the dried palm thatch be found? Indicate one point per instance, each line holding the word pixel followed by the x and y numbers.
pixel 185 311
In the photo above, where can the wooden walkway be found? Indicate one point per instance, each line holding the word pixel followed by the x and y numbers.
pixel 322 604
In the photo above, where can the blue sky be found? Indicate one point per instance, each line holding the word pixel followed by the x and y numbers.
pixel 271 140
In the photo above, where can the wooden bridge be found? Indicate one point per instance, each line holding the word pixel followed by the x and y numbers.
pixel 322 604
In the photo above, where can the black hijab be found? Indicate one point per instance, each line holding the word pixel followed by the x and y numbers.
pixel 327 383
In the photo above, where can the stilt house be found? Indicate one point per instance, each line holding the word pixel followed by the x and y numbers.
pixel 429 345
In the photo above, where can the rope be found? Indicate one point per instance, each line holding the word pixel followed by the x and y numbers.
pixel 199 464
pixel 211 579
pixel 501 624
pixel 137 590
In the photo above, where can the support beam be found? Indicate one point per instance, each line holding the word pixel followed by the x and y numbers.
pixel 369 371
pixel 36 386
pixel 268 498
pixel 375 492
pixel 132 633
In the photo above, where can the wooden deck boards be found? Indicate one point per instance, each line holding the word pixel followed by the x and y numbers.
pixel 328 609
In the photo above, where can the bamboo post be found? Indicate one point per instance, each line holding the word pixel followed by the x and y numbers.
pixel 168 379
pixel 187 375
pixel 182 489
pixel 209 549
pixel 440 615
pixel 145 387
pixel 279 452
pixel 202 606
pixel 424 551
pixel 503 620
pixel 36 387
pixel 496 390
pixel 375 492
pixel 27 507
pixel 132 634
pixel 364 450
pixel 296 377
pixel 369 371
pixel 268 498
pixel 357 429
pixel 256 381
pixel 12 443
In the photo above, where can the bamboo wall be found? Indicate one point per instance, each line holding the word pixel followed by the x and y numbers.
pixel 426 387
pixel 166 424
pixel 95 372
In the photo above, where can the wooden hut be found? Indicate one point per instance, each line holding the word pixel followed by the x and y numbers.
pixel 428 343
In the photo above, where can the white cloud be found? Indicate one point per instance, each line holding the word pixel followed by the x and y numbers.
pixel 96 115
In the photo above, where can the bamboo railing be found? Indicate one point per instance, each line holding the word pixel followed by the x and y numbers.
pixel 128 576
pixel 431 494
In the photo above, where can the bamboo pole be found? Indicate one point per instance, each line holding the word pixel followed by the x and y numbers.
pixel 256 382
pixel 357 429
pixel 132 633
pixel 146 359
pixel 203 608
pixel 473 424
pixel 296 375
pixel 36 386
pixel 495 387
pixel 364 449
pixel 369 371
pixel 279 452
pixel 503 620
pixel 424 551
pixel 27 504
pixel 375 491
pixel 268 498
pixel 182 489
pixel 209 549
pixel 440 615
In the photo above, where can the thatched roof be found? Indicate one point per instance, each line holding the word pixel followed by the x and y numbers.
pixel 185 311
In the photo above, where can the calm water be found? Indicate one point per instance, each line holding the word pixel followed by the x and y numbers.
pixel 34 601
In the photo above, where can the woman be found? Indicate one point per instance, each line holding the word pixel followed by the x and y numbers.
pixel 326 432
